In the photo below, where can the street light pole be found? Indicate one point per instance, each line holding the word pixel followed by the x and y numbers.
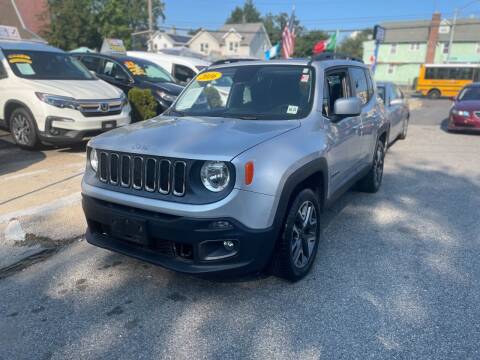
pixel 150 23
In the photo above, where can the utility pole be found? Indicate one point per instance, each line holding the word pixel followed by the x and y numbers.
pixel 452 32
pixel 150 24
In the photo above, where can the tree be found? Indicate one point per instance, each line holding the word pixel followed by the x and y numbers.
pixel 76 23
pixel 353 45
pixel 246 14
pixel 72 24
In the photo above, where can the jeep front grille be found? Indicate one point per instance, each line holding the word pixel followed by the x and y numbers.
pixel 143 172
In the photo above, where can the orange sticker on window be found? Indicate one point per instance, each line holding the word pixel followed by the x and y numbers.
pixel 209 76
pixel 135 69
pixel 19 58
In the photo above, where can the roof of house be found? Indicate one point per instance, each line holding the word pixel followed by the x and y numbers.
pixel 179 39
pixel 11 16
pixel 246 31
pixel 466 30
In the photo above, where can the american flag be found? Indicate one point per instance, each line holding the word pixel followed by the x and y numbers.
pixel 288 37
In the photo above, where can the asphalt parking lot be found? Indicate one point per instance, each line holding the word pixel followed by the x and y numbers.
pixel 397 274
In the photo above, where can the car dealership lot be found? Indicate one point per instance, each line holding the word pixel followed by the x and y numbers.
pixel 397 274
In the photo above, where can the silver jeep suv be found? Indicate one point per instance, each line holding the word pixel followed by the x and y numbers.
pixel 234 176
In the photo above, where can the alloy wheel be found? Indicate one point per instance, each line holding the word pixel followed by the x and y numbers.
pixel 304 234
pixel 21 129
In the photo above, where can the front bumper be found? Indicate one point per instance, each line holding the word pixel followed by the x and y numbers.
pixel 461 123
pixel 179 243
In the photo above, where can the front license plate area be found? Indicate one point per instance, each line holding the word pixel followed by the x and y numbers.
pixel 108 125
pixel 131 230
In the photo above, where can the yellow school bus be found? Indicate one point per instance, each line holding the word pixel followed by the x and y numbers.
pixel 436 80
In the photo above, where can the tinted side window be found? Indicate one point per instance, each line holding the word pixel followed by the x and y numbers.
pixel 114 70
pixel 3 72
pixel 476 75
pixel 359 84
pixel 371 90
pixel 92 63
pixel 182 73
pixel 336 88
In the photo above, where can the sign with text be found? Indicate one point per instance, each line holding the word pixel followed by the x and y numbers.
pixel 378 33
pixel 9 32
pixel 113 46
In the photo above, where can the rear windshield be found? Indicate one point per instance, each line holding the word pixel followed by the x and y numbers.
pixel 146 70
pixel 470 93
pixel 46 65
pixel 270 92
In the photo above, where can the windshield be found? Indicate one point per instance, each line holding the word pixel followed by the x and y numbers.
pixel 146 70
pixel 275 92
pixel 46 65
pixel 470 93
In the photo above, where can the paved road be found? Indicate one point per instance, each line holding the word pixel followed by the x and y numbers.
pixel 397 276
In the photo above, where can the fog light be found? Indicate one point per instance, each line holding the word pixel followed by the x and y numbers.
pixel 228 245
pixel 220 225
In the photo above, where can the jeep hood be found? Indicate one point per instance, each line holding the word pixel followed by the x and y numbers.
pixel 78 89
pixel 202 138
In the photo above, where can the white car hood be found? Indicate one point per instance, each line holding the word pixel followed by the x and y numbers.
pixel 77 89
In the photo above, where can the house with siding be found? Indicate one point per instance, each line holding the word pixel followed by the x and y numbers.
pixel 232 40
pixel 409 44
pixel 166 40
pixel 30 17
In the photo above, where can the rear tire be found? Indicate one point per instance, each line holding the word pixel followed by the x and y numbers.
pixel 403 135
pixel 434 94
pixel 23 129
pixel 373 180
pixel 296 249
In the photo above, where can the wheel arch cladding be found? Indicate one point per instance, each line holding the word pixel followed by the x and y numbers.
pixel 313 175
pixel 11 106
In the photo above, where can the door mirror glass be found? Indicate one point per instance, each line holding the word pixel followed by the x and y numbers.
pixel 345 107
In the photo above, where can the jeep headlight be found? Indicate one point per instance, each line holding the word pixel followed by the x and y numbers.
pixel 93 159
pixel 215 175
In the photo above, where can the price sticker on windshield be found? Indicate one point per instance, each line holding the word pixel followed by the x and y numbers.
pixel 135 69
pixel 19 58
pixel 209 76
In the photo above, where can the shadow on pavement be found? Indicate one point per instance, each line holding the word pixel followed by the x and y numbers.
pixel 396 276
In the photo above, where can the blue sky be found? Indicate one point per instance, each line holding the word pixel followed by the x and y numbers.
pixel 316 14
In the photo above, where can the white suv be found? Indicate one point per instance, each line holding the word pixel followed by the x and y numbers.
pixel 47 95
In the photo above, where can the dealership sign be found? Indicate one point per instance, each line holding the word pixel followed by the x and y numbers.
pixel 113 46
pixel 9 32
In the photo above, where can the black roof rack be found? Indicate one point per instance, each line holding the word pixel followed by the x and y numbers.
pixel 328 55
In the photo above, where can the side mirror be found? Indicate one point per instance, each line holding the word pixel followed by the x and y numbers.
pixel 345 107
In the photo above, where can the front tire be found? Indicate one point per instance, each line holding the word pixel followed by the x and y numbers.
pixel 373 180
pixel 23 129
pixel 298 245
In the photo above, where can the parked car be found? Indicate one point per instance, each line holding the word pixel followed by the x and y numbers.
pixel 396 108
pixel 465 112
pixel 182 68
pixel 237 185
pixel 47 95
pixel 127 72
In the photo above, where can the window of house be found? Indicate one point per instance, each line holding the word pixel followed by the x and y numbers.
pixel 391 69
pixel 204 47
pixel 359 84
pixel 393 49
pixel 415 46
pixel 446 48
